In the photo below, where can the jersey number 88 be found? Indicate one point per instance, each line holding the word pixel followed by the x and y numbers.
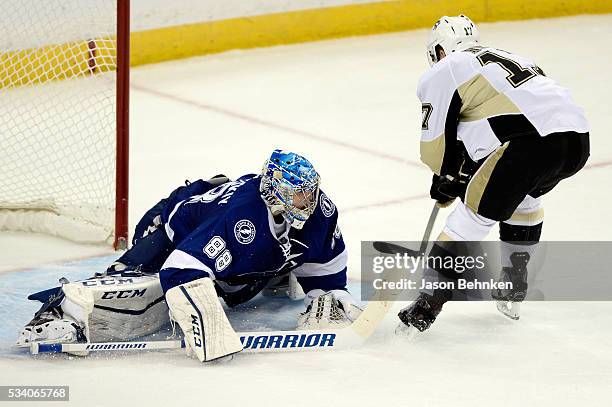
pixel 215 249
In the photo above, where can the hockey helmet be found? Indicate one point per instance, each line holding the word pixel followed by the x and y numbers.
pixel 451 34
pixel 290 186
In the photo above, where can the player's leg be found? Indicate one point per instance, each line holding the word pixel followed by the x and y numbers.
pixel 519 237
pixel 574 151
pixel 561 156
pixel 502 190
pixel 147 255
pixel 118 307
pixel 462 225
pixel 516 170
pixel 207 331
pixel 195 306
pixel 500 184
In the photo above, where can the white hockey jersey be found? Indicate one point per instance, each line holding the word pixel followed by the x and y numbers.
pixel 484 97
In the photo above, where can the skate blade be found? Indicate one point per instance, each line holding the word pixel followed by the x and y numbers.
pixel 510 309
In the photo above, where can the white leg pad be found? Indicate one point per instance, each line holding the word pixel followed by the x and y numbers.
pixel 196 308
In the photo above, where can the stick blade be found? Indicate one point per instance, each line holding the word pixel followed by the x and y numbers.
pixel 392 248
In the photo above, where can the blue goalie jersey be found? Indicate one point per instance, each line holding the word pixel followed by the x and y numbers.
pixel 229 235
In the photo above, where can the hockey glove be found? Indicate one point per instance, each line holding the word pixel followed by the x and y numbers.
pixel 444 189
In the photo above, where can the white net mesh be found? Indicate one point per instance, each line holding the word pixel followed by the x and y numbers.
pixel 57 117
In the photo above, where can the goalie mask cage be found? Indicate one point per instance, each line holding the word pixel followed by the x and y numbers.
pixel 64 99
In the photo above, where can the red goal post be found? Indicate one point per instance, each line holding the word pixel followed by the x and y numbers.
pixel 123 124
pixel 64 113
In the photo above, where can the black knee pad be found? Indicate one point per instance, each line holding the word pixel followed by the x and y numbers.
pixel 519 233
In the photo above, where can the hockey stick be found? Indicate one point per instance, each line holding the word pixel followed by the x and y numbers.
pixel 36 348
pixel 273 341
pixel 392 248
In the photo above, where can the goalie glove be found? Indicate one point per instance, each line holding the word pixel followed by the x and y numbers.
pixel 332 309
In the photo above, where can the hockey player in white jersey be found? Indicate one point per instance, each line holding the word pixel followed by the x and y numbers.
pixel 210 239
pixel 498 134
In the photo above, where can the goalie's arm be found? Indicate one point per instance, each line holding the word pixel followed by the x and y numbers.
pixel 325 276
pixel 326 265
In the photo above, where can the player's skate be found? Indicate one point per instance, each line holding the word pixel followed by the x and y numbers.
pixel 509 300
pixel 422 312
pixel 51 326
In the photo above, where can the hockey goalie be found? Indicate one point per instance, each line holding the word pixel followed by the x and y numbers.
pixel 209 241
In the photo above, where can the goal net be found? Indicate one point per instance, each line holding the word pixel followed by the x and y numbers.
pixel 63 118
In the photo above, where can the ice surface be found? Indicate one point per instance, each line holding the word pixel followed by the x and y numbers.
pixel 350 106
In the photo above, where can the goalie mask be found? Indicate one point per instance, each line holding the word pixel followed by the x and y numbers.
pixel 290 186
pixel 451 34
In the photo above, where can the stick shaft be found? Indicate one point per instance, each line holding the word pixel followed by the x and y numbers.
pixel 274 341
pixel 36 348
pixel 392 248
pixel 429 228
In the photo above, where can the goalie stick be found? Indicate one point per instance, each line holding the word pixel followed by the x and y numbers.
pixel 270 341
pixel 392 248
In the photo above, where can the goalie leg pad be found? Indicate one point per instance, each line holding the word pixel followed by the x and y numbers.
pixel 126 306
pixel 78 304
pixel 118 307
pixel 196 308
